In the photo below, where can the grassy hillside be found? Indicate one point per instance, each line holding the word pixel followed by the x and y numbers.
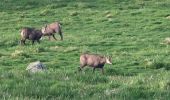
pixel 131 31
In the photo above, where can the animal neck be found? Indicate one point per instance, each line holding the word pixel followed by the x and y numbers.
pixel 103 60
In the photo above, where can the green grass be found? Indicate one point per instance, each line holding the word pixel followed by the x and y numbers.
pixel 129 30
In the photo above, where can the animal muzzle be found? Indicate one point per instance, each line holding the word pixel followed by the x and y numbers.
pixel 110 63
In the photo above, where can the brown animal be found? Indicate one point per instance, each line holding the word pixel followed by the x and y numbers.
pixel 93 60
pixel 51 29
pixel 31 34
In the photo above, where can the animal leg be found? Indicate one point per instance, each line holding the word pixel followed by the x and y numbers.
pixel 81 67
pixel 49 38
pixel 33 42
pixel 102 70
pixel 38 41
pixel 94 69
pixel 61 34
pixel 54 37
pixel 22 42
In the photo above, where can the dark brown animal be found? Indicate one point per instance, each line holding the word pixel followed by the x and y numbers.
pixel 93 60
pixel 31 34
pixel 51 29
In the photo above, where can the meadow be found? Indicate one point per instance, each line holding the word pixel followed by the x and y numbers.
pixel 131 31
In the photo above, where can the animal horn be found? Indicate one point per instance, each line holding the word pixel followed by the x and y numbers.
pixel 45 25
pixel 107 54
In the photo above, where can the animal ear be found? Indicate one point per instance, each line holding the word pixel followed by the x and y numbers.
pixel 110 57
pixel 45 25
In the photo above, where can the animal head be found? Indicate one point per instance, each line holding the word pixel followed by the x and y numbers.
pixel 43 30
pixel 108 60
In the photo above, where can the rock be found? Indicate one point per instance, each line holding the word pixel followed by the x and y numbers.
pixel 36 67
pixel 107 12
pixel 168 17
pixel 109 15
pixel 166 41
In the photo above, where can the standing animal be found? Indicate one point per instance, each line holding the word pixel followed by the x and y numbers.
pixel 31 34
pixel 93 60
pixel 51 29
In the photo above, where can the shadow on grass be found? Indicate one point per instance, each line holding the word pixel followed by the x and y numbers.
pixel 9 43
pixel 142 92
pixel 120 72
pixel 158 65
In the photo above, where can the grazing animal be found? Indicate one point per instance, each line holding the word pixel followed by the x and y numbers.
pixel 31 34
pixel 93 60
pixel 51 29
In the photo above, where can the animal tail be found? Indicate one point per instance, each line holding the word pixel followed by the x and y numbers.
pixel 22 32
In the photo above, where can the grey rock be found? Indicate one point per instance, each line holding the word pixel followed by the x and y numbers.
pixel 36 67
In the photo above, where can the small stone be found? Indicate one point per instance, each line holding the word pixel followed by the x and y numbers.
pixel 167 40
pixel 109 16
pixel 107 12
pixel 168 17
pixel 36 67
